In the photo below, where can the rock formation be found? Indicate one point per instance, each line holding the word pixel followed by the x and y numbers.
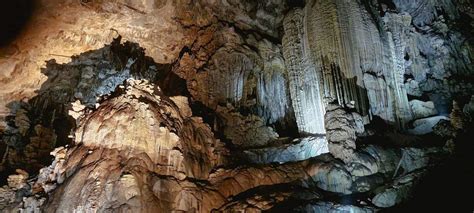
pixel 236 106
pixel 304 81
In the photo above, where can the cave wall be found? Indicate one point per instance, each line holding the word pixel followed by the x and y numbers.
pixel 375 63
pixel 250 105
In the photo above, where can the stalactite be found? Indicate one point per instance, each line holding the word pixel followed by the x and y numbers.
pixel 381 103
pixel 346 43
pixel 250 81
pixel 397 45
pixel 341 32
pixel 303 79
pixel 272 94
pixel 227 82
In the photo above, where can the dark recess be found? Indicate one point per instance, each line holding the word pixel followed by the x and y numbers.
pixel 390 6
pixel 446 186
pixel 295 3
pixel 14 15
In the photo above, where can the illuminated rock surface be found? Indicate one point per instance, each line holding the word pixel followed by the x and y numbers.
pixel 238 105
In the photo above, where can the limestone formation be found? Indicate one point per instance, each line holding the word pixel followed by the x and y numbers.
pixel 236 106
pixel 304 81
pixel 422 109
pixel 296 150
pixel 341 134
pixel 397 193
pixel 425 125
pixel 331 207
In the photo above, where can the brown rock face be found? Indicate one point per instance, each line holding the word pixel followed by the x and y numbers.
pixel 131 143
pixel 232 105
pixel 142 151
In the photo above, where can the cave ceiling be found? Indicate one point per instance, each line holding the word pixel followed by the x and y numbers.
pixel 236 105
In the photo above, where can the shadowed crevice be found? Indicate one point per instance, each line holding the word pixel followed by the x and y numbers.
pixel 14 16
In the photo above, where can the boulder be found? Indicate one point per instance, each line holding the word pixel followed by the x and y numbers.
pixel 425 125
pixel 390 197
pixel 468 109
pixel 18 180
pixel 333 177
pixel 417 158
pixel 444 129
pixel 298 149
pixel 7 197
pixel 323 206
pixel 363 164
pixel 398 191
pixel 386 159
pixel 422 109
pixel 367 183
pixel 413 88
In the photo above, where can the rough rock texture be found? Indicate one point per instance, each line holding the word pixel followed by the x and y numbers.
pixel 384 55
pixel 341 133
pixel 331 207
pixel 425 125
pixel 397 192
pixel 422 109
pixel 230 106
pixel 159 157
pixel 296 150
pixel 303 79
